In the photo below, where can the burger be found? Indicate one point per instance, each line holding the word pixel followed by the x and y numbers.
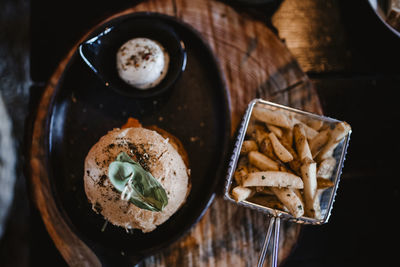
pixel 137 177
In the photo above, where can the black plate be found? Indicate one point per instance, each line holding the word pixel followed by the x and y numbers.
pixel 83 109
pixel 99 52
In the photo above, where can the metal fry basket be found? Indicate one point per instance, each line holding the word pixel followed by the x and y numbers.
pixel 327 196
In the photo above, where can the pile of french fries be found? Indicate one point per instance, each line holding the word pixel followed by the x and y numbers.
pixel 287 161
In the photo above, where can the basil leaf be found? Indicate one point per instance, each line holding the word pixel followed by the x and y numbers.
pixel 147 193
pixel 119 174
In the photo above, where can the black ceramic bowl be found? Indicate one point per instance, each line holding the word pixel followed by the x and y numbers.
pixel 100 49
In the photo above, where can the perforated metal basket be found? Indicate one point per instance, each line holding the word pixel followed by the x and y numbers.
pixel 327 197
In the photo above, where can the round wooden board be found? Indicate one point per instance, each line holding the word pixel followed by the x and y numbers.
pixel 255 64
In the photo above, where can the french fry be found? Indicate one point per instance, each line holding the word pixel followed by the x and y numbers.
pixel 288 144
pixel 267 149
pixel 250 128
pixel 338 133
pixel 290 199
pixel 316 207
pixel 276 130
pixel 251 168
pixel 240 173
pixel 323 183
pixel 273 178
pixel 309 175
pixel 315 124
pixel 287 138
pixel 310 133
pixel 319 141
pixel 341 130
pixel 276 118
pixel 241 193
pixel 282 153
pixel 326 152
pixel 262 162
pixel 243 161
pixel 295 165
pixel 326 168
pixel 298 194
pixel 301 142
pixel 247 146
pixel 270 201
pixel 259 135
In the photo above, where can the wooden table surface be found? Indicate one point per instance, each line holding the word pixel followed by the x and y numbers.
pixel 255 63
pixel 351 58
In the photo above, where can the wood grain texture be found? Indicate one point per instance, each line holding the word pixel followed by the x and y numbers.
pixel 256 64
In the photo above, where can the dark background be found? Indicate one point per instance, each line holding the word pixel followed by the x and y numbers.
pixel 354 62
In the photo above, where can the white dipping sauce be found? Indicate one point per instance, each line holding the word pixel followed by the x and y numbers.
pixel 142 63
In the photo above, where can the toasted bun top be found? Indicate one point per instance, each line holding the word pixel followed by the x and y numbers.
pixel 156 155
